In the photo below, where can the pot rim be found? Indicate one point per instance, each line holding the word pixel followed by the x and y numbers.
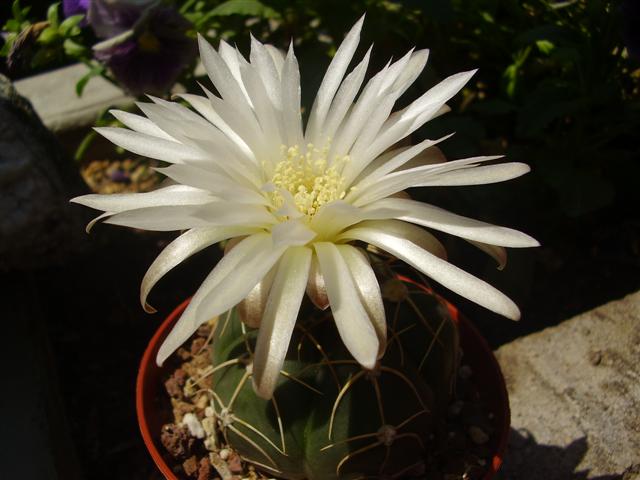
pixel 148 368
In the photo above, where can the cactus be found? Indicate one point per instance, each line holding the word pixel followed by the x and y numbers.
pixel 329 418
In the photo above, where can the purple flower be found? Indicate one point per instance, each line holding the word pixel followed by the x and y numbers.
pixel 109 18
pixel 145 54
pixel 75 7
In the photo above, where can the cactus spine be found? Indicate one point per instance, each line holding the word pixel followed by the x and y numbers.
pixel 329 418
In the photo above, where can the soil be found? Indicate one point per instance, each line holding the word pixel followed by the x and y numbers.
pixel 120 176
pixel 195 448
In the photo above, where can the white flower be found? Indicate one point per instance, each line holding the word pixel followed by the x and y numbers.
pixel 295 201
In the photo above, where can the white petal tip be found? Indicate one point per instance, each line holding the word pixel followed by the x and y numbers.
pixel 263 391
pixel 148 308
pixel 159 360
pixel 165 352
pixel 370 364
pixel 514 314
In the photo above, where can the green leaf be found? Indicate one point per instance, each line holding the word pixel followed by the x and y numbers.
pixel 69 27
pixel 16 10
pixel 545 46
pixel 95 71
pixel 74 49
pixel 13 25
pixel 244 7
pixel 48 36
pixel 53 16
pixel 4 51
pixel 84 145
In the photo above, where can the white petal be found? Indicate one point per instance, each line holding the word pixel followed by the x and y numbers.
pixel 204 107
pixel 92 223
pixel 277 55
pixel 230 213
pixel 420 176
pixel 334 217
pixel 172 195
pixel 229 282
pixel 192 130
pixel 439 94
pixel 268 116
pixel 430 156
pixel 279 319
pixel 478 175
pixel 411 72
pixel 463 227
pixel 219 185
pixel 140 124
pixel 366 282
pixel 395 70
pixel 232 59
pixel 415 235
pixel 397 161
pixel 331 82
pixel 251 308
pixel 222 77
pixel 441 271
pixel 246 126
pixel 262 62
pixel 344 99
pixel 354 326
pixel 292 232
pixel 152 147
pixel 182 248
pixel 290 84
pixel 182 129
pixel 235 110
pixel 359 116
pixel 383 103
pixel 160 219
pixel 316 289
pixel 406 121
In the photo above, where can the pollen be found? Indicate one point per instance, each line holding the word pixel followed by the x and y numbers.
pixel 310 178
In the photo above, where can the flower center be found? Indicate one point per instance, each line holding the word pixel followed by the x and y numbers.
pixel 309 177
pixel 148 42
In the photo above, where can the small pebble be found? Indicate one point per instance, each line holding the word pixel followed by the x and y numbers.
pixel 190 465
pixel 204 470
pixel 224 453
pixel 595 358
pixel 202 402
pixel 194 425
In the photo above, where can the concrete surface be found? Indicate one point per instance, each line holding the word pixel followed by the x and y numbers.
pixel 53 96
pixel 575 397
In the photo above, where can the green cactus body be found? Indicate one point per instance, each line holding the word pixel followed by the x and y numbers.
pixel 329 418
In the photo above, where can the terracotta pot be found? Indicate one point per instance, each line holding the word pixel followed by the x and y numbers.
pixel 150 391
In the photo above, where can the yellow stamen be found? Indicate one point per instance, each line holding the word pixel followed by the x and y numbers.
pixel 309 178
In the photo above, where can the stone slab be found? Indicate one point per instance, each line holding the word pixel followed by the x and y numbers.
pixel 53 96
pixel 575 397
